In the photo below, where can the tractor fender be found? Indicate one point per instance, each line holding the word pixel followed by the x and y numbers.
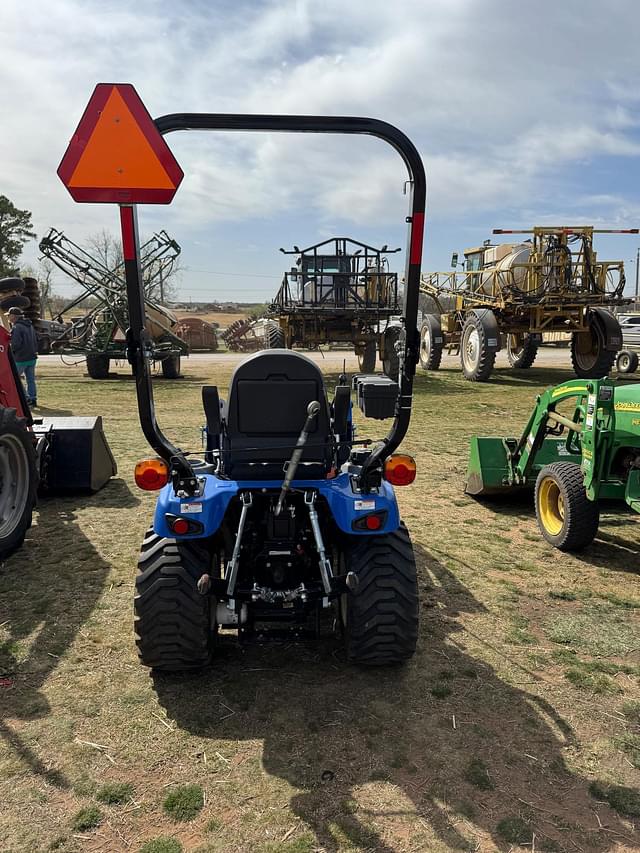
pixel 490 327
pixel 608 327
pixel 208 509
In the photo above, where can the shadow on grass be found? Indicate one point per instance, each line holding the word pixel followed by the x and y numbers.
pixel 607 551
pixel 329 729
pixel 451 381
pixel 613 553
pixel 48 589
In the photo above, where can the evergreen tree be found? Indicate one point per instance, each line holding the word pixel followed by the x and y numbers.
pixel 15 231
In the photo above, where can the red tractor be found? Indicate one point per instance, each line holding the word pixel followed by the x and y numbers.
pixel 46 454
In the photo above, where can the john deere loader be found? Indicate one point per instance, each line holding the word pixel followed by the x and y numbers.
pixel 573 460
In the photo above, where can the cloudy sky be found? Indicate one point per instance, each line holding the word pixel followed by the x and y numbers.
pixel 523 113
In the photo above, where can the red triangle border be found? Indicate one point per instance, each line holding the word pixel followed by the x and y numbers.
pixel 82 136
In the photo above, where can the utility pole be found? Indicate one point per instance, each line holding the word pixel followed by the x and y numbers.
pixel 635 304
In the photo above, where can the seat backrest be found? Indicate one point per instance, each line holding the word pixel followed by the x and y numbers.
pixel 266 410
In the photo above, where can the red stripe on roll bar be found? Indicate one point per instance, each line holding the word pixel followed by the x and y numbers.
pixel 128 233
pixel 417 234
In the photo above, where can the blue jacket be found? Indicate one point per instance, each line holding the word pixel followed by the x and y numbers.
pixel 24 342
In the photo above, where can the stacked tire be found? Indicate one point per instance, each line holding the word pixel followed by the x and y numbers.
pixel 31 290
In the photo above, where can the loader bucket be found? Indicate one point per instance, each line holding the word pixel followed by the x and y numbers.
pixel 488 470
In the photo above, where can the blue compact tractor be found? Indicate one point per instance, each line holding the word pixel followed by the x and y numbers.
pixel 287 516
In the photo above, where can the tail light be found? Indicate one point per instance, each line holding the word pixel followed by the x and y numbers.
pixel 151 474
pixel 181 526
pixel 400 470
pixel 370 522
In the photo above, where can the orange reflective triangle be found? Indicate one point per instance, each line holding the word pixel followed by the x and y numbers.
pixel 118 154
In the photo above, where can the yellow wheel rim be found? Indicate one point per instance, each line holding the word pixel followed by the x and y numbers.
pixel 551 506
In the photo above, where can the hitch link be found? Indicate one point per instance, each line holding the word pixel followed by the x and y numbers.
pixel 232 566
pixel 312 411
pixel 326 572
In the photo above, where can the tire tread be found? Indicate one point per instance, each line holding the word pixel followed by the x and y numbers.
pixel 382 615
pixel 172 619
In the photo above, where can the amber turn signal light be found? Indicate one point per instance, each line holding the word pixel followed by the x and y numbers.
pixel 400 470
pixel 151 474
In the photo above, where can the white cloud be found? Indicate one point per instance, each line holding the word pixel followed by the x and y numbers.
pixel 500 103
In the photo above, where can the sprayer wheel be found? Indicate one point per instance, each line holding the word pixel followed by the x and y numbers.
pixel 171 367
pixel 274 337
pixel 97 365
pixel 521 350
pixel 391 360
pixel 589 357
pixel 367 358
pixel 476 356
pixel 431 343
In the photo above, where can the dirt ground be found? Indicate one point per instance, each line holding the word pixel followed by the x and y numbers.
pixel 222 318
pixel 516 726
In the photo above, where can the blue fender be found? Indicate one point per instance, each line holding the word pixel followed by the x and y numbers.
pixel 209 509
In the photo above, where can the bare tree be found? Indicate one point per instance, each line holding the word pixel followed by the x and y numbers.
pixel 160 277
pixel 105 248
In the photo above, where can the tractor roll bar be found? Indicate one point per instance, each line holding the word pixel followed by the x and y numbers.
pixel 417 183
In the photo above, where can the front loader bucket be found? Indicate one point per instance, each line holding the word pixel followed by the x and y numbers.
pixel 488 470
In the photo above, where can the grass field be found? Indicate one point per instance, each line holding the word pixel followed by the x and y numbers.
pixel 516 725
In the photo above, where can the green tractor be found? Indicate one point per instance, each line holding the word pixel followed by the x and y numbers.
pixel 573 460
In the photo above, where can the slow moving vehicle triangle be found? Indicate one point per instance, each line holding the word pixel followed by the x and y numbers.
pixel 117 154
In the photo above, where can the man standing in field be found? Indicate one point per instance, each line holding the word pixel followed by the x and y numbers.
pixel 24 347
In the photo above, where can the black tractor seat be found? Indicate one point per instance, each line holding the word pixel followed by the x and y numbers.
pixel 266 410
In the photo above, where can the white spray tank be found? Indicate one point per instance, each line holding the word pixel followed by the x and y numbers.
pixel 505 265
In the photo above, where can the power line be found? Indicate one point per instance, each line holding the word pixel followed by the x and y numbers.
pixel 240 274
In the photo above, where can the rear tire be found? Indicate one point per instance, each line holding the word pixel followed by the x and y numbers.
pixel 567 519
pixel 521 351
pixel 627 361
pixel 381 616
pixel 367 358
pixel 589 358
pixel 97 365
pixel 274 337
pixel 391 360
pixel 18 480
pixel 431 343
pixel 476 357
pixel 173 624
pixel 171 367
